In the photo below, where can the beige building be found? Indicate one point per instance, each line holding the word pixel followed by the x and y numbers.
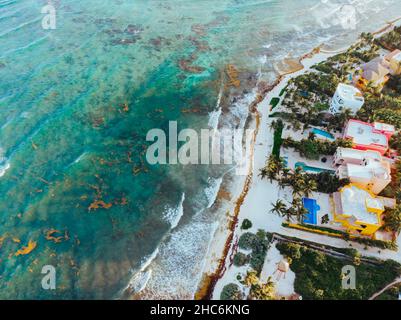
pixel 366 168
pixel 375 72
pixel 394 59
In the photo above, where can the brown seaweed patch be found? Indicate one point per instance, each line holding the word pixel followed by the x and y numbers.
pixel 200 45
pixel 158 42
pixel 185 65
pixel 99 204
pixel 26 249
pixel 51 235
pixel 199 29
pixel 134 29
pixel 232 74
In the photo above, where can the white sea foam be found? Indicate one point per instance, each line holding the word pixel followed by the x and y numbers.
pixel 178 269
pixel 4 166
pixel 141 277
pixel 267 46
pixel 212 190
pixel 173 215
pixel 80 157
pixel 4 163
pixel 214 117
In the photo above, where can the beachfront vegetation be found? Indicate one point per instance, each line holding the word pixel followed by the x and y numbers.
pixel 231 292
pixel 391 40
pixel 313 148
pixel 246 224
pixel 324 275
pixel 258 289
pixel 259 244
pixel 278 127
pixel 274 102
pixel 302 183
pixel 296 209
pixel 327 182
pixel 240 259
pixel 273 168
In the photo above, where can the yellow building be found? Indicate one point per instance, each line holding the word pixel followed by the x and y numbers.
pixel 374 73
pixel 359 210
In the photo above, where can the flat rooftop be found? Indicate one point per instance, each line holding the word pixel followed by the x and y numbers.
pixel 359 154
pixel 349 92
pixel 354 202
pixel 363 134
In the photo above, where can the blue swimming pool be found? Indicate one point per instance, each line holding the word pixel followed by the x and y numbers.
pixel 312 207
pixel 305 167
pixel 323 133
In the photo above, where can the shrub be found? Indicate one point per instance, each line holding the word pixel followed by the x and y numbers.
pixel 247 241
pixel 278 132
pixel 231 292
pixel 246 224
pixel 240 259
pixel 259 245
pixel 274 102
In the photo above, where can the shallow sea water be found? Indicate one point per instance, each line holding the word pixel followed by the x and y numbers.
pixel 76 104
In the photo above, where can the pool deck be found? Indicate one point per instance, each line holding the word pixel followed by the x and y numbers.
pixel 300 135
pixel 293 157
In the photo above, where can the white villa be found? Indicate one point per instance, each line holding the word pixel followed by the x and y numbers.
pixel 346 97
pixel 365 168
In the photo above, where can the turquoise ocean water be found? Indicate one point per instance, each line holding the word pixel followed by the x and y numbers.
pixel 76 104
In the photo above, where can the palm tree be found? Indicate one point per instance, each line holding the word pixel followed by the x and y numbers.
pixel 279 208
pixel 273 168
pixel 308 187
pixel 298 209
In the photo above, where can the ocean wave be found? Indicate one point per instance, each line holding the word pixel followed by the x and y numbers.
pixel 214 117
pixel 4 166
pixel 178 268
pixel 140 278
pixel 212 190
pixel 173 215
pixel 4 163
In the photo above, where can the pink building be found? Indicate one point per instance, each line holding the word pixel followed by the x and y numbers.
pixel 369 136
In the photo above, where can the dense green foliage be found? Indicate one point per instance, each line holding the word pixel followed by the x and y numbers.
pixel 259 245
pixel 231 292
pixel 278 127
pixel 240 259
pixel 327 182
pixel 246 224
pixel 313 148
pixel 318 275
pixel 391 40
pixel 274 102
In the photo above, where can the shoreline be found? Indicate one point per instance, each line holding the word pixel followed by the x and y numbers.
pixel 206 288
pixel 209 280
